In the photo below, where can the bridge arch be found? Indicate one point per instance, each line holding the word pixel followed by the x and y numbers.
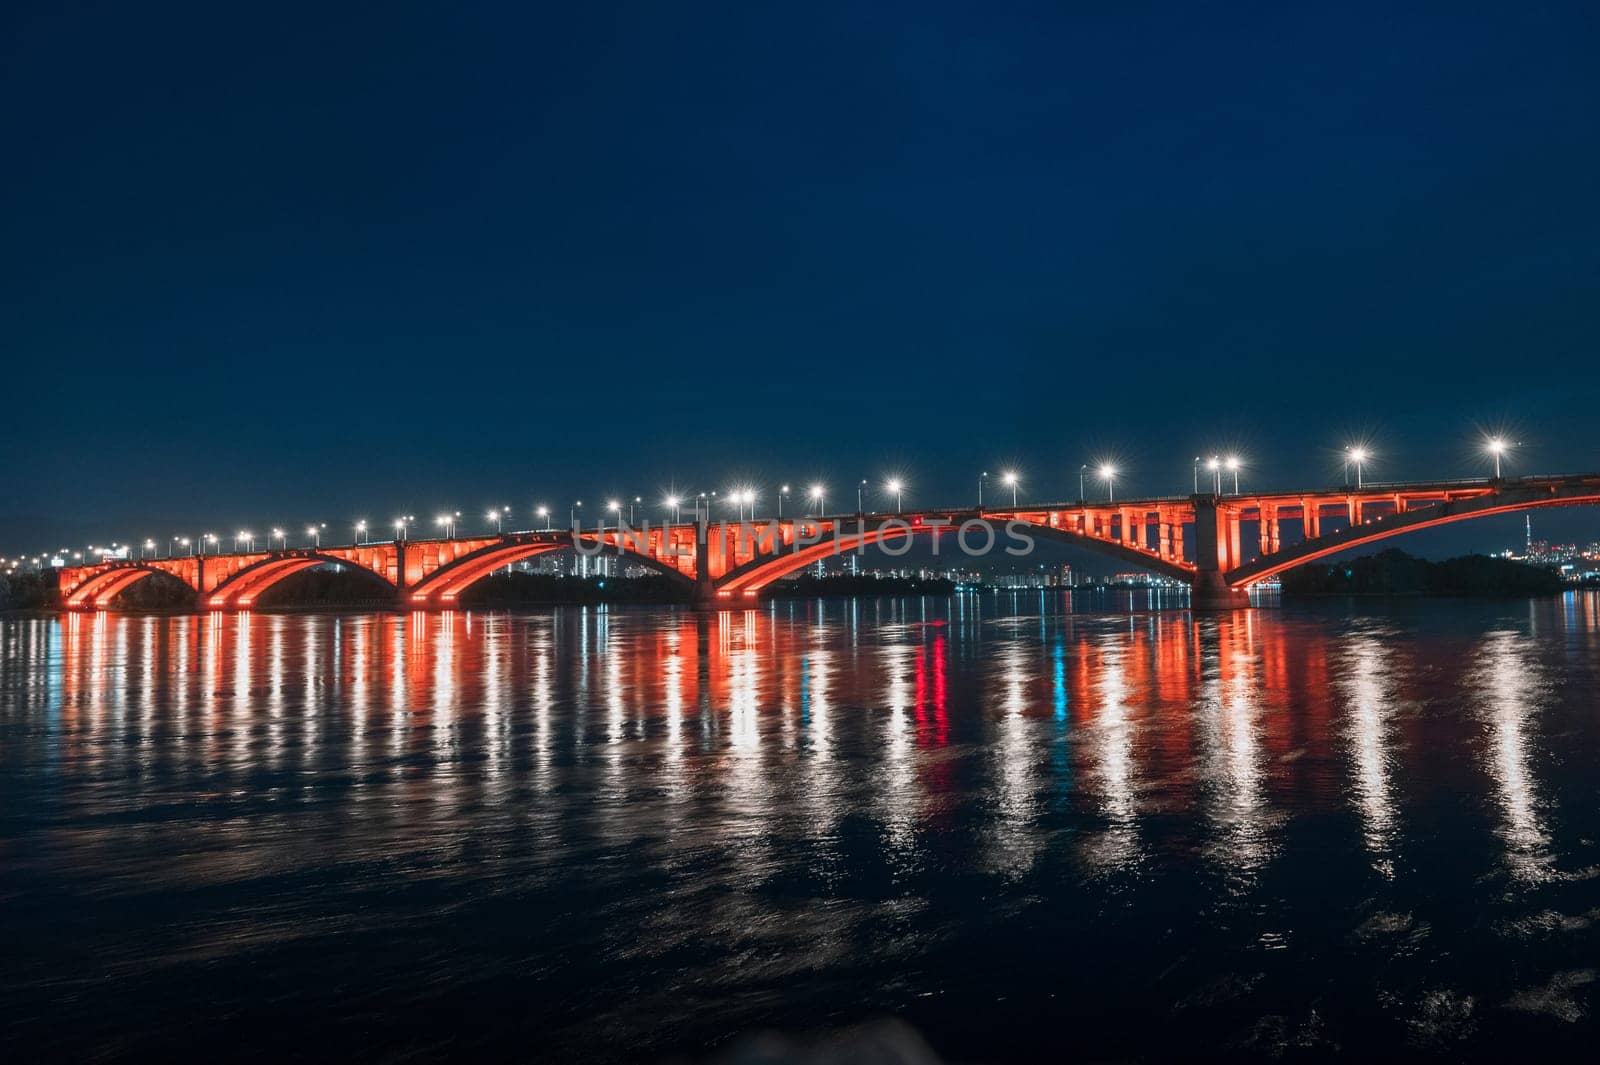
pixel 97 591
pixel 1391 525
pixel 748 579
pixel 241 590
pixel 443 586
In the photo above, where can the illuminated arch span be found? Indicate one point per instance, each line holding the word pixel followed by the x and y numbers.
pixel 242 589
pixel 444 585
pixel 1508 502
pixel 98 590
pixel 749 578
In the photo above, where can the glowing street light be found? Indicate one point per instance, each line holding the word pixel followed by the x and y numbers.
pixel 818 494
pixel 1497 446
pixel 1214 464
pixel 400 528
pixel 210 538
pixel 783 490
pixel 1233 465
pixel 447 522
pixel 361 531
pixel 860 488
pixel 544 512
pixel 896 487
pixel 1010 480
pixel 675 505
pixel 496 514
pixel 1197 475
pixel 315 532
pixel 248 537
pixel 1082 472
pixel 1357 456
pixel 1108 473
pixel 984 476
pixel 616 508
pixel 149 549
pixel 281 537
pixel 572 514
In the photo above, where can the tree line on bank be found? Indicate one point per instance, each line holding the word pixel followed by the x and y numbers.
pixel 1395 573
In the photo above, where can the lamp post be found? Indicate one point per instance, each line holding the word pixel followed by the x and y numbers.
pixel 1010 478
pixel 1197 475
pixel 675 505
pixel 149 549
pixel 783 490
pixel 1233 465
pixel 544 512
pixel 818 493
pixel 1358 457
pixel 1214 465
pixel 1109 472
pixel 635 503
pixel 213 540
pixel 1082 472
pixel 616 508
pixel 496 514
pixel 315 532
pixel 572 514
pixel 1497 446
pixel 896 487
pixel 400 528
pixel 361 531
pixel 282 538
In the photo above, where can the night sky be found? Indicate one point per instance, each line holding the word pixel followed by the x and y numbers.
pixel 266 265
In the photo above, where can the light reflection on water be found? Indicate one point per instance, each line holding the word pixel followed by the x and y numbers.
pixel 621 832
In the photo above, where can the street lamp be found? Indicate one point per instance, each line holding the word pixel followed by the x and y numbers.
pixel 572 514
pixel 150 548
pixel 675 505
pixel 361 531
pixel 616 508
pixel 1497 446
pixel 783 490
pixel 1010 478
pixel 896 487
pixel 495 515
pixel 1358 456
pixel 636 502
pixel 248 537
pixel 819 494
pixel 1214 464
pixel 544 512
pixel 1197 475
pixel 1109 473
pixel 1233 464
pixel 400 528
pixel 315 532
pixel 281 536
pixel 210 538
pixel 447 523
pixel 981 478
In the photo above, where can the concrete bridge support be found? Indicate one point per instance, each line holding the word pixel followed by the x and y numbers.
pixel 1216 535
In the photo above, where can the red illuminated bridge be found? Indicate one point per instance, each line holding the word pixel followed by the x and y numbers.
pixel 1218 544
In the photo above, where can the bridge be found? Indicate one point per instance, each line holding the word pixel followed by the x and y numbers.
pixel 1219 544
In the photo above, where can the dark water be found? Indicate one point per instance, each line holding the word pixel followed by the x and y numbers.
pixel 588 835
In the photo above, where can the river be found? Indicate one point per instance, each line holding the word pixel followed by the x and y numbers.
pixel 592 834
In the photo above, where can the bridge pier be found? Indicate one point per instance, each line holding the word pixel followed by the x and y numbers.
pixel 1211 591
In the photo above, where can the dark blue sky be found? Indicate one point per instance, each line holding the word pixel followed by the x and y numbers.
pixel 275 264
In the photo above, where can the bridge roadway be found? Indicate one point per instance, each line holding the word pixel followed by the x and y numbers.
pixel 1219 544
